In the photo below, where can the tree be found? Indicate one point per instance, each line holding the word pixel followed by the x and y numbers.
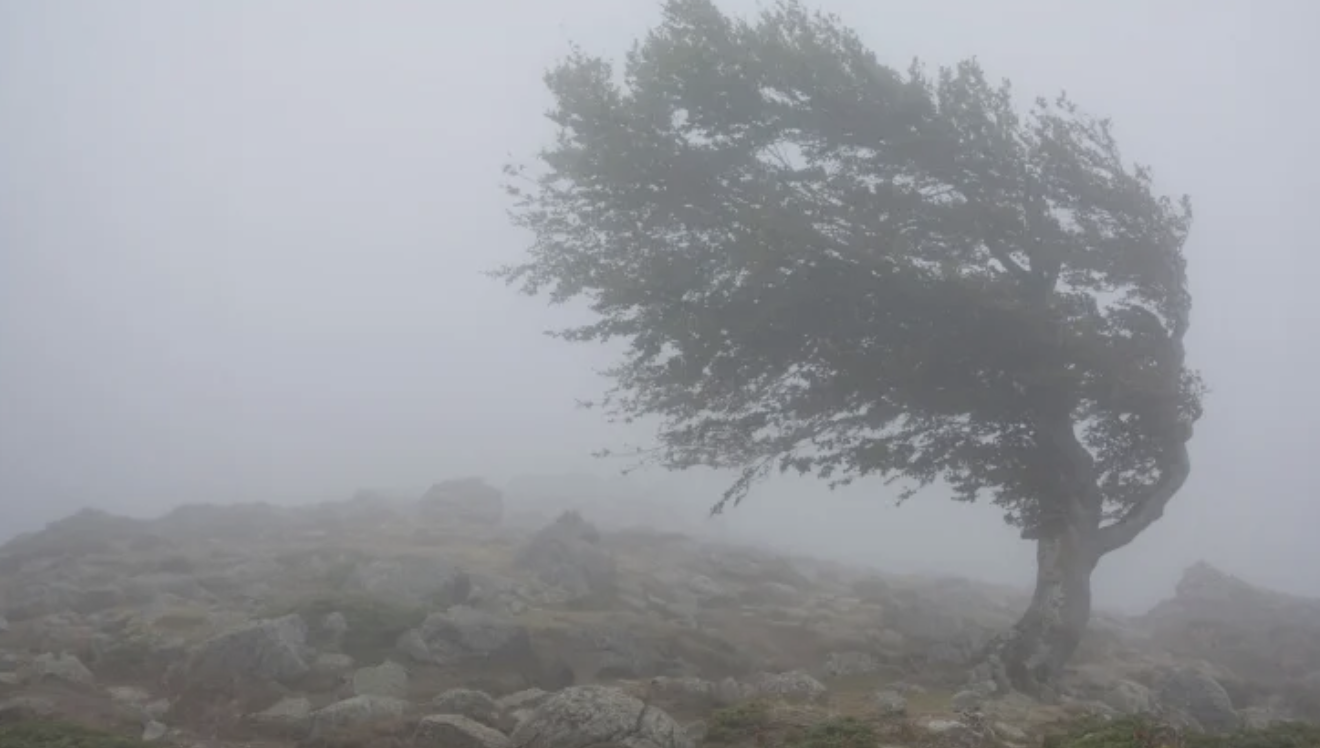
pixel 827 266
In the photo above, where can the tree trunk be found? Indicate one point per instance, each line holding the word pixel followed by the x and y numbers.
pixel 1031 656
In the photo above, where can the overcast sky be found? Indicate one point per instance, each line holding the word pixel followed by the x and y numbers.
pixel 241 246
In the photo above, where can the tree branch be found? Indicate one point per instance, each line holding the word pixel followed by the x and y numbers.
pixel 998 252
pixel 1151 507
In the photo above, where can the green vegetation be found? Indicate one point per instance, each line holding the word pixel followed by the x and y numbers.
pixel 737 723
pixel 753 722
pixel 43 734
pixel 1135 732
pixel 374 625
pixel 842 732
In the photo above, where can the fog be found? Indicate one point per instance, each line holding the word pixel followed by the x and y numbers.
pixel 242 246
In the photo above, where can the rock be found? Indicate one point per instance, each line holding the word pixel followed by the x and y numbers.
pixel 385 679
pixel 465 500
pixel 271 650
pixel 795 686
pixel 529 698
pixel 332 664
pixel 616 652
pixel 697 731
pixel 1194 691
pixel 455 731
pixel 64 667
pixel 1129 697
pixel 582 716
pixel 889 703
pixel 289 716
pixel 154 731
pixel 475 705
pixel 1234 625
pixel 967 700
pixel 355 711
pixel 333 628
pixel 411 580
pixel 566 555
pixel 1009 733
pixel 464 634
pixel 687 692
pixel 841 664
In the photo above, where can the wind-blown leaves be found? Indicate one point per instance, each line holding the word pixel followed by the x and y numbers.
pixel 826 265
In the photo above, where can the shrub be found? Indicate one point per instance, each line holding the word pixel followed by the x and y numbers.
pixel 1137 732
pixel 47 734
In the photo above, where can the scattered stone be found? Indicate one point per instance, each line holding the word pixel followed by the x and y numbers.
pixel 526 699
pixel 289 716
pixel 890 703
pixel 456 731
pixel 358 710
pixel 597 715
pixel 794 685
pixel 474 705
pixel 154 731
pixel 332 663
pixel 841 664
pixel 968 700
pixel 386 679
pixel 64 667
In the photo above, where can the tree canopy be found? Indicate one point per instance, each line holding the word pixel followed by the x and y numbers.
pixel 825 265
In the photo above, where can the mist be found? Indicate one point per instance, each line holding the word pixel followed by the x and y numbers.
pixel 242 248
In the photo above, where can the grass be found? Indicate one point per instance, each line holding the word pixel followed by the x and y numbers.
pixel 759 723
pixel 47 734
pixel 1136 732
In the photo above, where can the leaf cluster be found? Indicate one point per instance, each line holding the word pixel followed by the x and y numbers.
pixel 823 264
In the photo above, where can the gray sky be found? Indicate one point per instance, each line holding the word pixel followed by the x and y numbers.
pixel 241 246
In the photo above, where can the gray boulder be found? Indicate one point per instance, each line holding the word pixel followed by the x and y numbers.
pixel 584 716
pixel 464 634
pixel 474 705
pixel 385 679
pixel 566 555
pixel 355 711
pixel 271 650
pixel 1195 692
pixel 464 501
pixel 456 731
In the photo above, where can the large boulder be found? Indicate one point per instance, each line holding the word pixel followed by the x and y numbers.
pixel 456 731
pixel 463 501
pixel 1260 635
pixel 464 636
pixel 1193 691
pixel 267 650
pixel 566 555
pixel 584 716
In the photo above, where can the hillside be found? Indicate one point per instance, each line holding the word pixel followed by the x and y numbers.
pixel 455 620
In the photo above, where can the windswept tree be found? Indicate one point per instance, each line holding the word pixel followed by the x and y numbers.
pixel 826 266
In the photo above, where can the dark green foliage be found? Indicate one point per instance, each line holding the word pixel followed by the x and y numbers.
pixel 43 734
pixel 374 625
pixel 825 265
pixel 737 723
pixel 842 732
pixel 1137 732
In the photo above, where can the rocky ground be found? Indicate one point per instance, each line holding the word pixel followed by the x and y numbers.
pixel 453 620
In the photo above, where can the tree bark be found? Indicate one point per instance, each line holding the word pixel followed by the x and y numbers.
pixel 1031 656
